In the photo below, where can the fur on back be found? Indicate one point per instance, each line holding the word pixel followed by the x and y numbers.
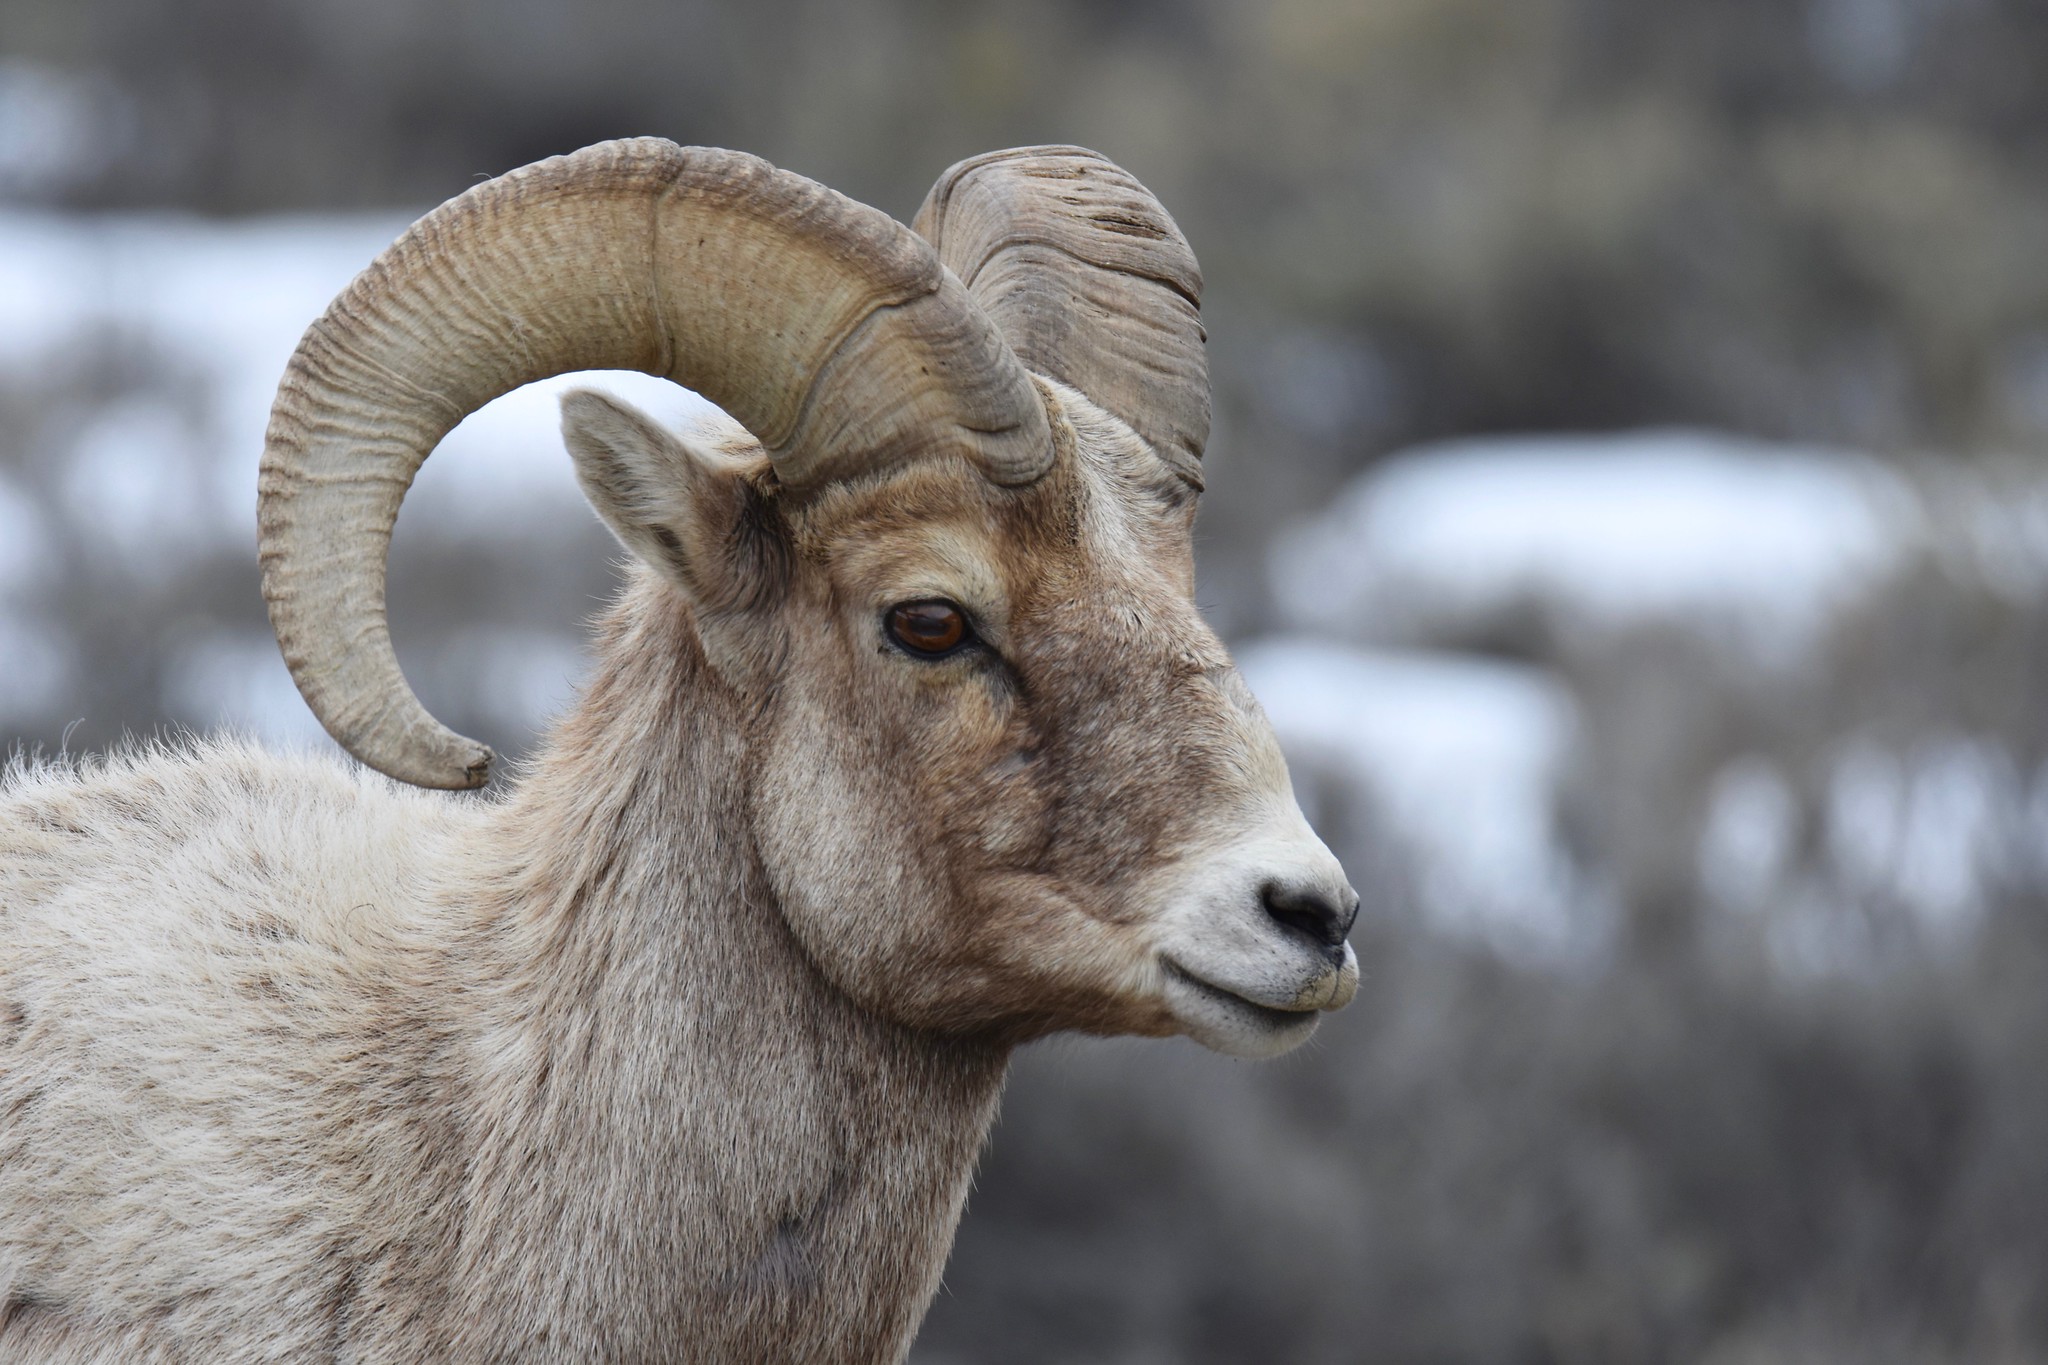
pixel 298 1064
pixel 204 1032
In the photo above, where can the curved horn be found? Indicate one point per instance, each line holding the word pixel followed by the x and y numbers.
pixel 825 327
pixel 1089 281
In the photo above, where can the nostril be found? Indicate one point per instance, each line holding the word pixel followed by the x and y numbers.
pixel 1315 914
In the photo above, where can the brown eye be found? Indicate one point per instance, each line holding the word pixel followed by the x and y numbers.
pixel 927 628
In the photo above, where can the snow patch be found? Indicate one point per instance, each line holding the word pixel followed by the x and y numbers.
pixel 1606 530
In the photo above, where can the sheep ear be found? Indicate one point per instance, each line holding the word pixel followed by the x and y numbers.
pixel 686 510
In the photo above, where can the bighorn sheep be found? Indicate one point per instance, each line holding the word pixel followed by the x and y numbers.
pixel 905 744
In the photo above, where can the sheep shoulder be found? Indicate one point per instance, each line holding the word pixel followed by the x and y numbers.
pixel 213 961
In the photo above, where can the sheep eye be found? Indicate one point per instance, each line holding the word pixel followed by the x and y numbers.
pixel 928 629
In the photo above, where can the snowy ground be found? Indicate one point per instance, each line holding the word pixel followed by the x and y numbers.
pixel 1612 529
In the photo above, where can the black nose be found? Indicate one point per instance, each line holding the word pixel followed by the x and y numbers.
pixel 1313 912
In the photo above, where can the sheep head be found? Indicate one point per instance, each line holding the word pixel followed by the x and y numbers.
pixel 1006 780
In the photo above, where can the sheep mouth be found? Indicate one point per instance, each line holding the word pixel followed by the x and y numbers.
pixel 1266 1016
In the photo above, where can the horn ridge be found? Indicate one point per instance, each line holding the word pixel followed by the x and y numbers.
pixel 1090 281
pixel 829 330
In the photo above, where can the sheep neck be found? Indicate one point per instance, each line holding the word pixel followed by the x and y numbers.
pixel 690 1136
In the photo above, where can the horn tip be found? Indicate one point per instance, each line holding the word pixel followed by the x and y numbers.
pixel 460 764
pixel 478 770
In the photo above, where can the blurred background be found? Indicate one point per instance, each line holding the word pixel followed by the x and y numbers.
pixel 1627 496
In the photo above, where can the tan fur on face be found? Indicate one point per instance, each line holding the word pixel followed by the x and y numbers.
pixel 1016 798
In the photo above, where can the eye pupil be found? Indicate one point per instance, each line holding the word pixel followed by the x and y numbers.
pixel 927 627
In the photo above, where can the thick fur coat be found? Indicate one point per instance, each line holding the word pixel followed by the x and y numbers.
pixel 683 1048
